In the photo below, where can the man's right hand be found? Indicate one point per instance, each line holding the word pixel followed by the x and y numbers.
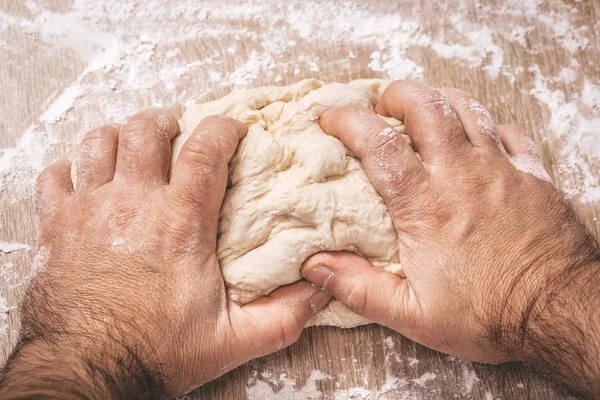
pixel 497 265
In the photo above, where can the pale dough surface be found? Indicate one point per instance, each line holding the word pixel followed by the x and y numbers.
pixel 295 190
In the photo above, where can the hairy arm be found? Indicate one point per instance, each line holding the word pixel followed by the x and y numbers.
pixel 560 330
pixel 549 314
pixel 77 369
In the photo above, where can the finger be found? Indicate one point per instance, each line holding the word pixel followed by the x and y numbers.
pixel 478 124
pixel 516 142
pixel 271 323
pixel 199 176
pixel 53 187
pixel 430 121
pixel 371 292
pixel 97 157
pixel 523 152
pixel 390 163
pixel 144 149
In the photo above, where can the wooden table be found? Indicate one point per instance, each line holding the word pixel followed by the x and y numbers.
pixel 69 65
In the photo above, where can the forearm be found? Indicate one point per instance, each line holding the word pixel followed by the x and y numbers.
pixel 44 369
pixel 559 331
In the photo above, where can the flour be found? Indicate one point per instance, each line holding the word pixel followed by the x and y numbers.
pixel 3 317
pixel 567 75
pixel 469 376
pixel 569 38
pixel 480 44
pixel 63 104
pixel 268 385
pixel 20 165
pixel 261 390
pixel 6 247
pixel 426 377
pixel 127 49
pixel 575 123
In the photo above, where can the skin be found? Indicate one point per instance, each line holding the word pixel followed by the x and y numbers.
pixel 129 282
pixel 497 266
pixel 128 300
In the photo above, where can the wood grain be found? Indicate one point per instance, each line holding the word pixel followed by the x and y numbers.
pixel 35 71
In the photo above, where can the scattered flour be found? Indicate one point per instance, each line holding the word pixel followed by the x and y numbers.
pixel 127 49
pixel 6 247
pixel 63 103
pixel 469 376
pixel 389 342
pixel 262 390
pixel 575 122
pixel 426 377
pixel 270 385
pixel 3 317
pixel 567 75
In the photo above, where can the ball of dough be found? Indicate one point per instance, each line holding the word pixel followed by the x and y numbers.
pixel 295 190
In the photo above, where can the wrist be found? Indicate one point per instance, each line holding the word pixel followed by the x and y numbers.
pixel 551 321
pixel 75 369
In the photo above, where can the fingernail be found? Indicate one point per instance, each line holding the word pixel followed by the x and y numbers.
pixel 319 300
pixel 318 274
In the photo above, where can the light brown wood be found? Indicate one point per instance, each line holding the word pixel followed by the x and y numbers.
pixel 35 71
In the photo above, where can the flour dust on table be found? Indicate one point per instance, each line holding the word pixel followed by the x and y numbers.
pixel 295 191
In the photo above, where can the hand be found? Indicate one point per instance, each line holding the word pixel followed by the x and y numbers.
pixel 128 297
pixel 497 265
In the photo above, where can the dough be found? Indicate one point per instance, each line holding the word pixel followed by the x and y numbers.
pixel 295 190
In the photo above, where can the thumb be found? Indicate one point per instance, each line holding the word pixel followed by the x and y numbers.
pixel 270 323
pixel 371 292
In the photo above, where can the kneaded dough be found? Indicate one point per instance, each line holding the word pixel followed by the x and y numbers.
pixel 295 191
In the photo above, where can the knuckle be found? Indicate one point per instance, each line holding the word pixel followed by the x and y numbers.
pixel 467 103
pixel 435 103
pixel 217 123
pixel 433 99
pixel 203 148
pixel 101 133
pixel 350 114
pixel 154 114
pixel 384 142
pixel 132 137
pixel 399 86
pixel 152 121
pixel 290 330
pixel 227 128
pixel 431 95
pixel 473 103
pixel 216 120
pixel 53 171
pixel 356 298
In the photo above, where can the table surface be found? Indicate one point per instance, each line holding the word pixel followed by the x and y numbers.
pixel 70 65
